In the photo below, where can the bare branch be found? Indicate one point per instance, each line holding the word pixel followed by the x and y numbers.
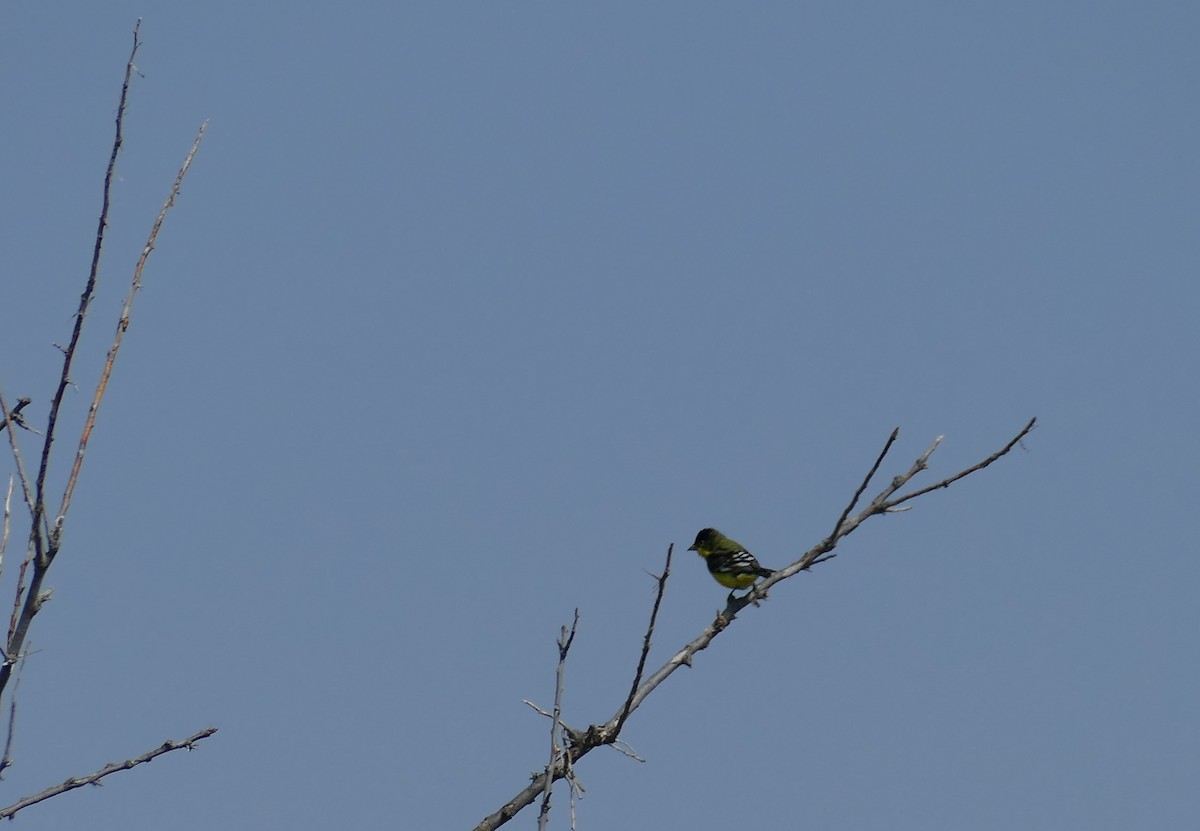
pixel 565 640
pixel 42 542
pixel 637 676
pixel 18 597
pixel 93 778
pixel 122 326
pixel 4 528
pixel 945 483
pixel 6 760
pixel 598 735
pixel 46 529
pixel 866 481
pixel 536 708
pixel 18 459
pixel 85 300
pixel 46 548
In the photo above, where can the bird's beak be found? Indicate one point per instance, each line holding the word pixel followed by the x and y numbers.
pixel 691 548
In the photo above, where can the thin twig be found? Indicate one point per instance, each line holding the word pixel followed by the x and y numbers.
pixel 625 749
pixel 122 326
pixel 93 778
pixel 945 483
pixel 637 676
pixel 865 482
pixel 536 708
pixel 18 459
pixel 85 299
pixel 565 640
pixel 575 793
pixel 18 598
pixel 7 518
pixel 7 760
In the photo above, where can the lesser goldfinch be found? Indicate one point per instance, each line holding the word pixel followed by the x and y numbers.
pixel 728 561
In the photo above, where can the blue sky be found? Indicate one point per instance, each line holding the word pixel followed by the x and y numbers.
pixel 467 311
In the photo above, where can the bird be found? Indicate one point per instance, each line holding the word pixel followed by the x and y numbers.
pixel 728 561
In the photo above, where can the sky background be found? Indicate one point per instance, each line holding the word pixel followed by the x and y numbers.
pixel 468 310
